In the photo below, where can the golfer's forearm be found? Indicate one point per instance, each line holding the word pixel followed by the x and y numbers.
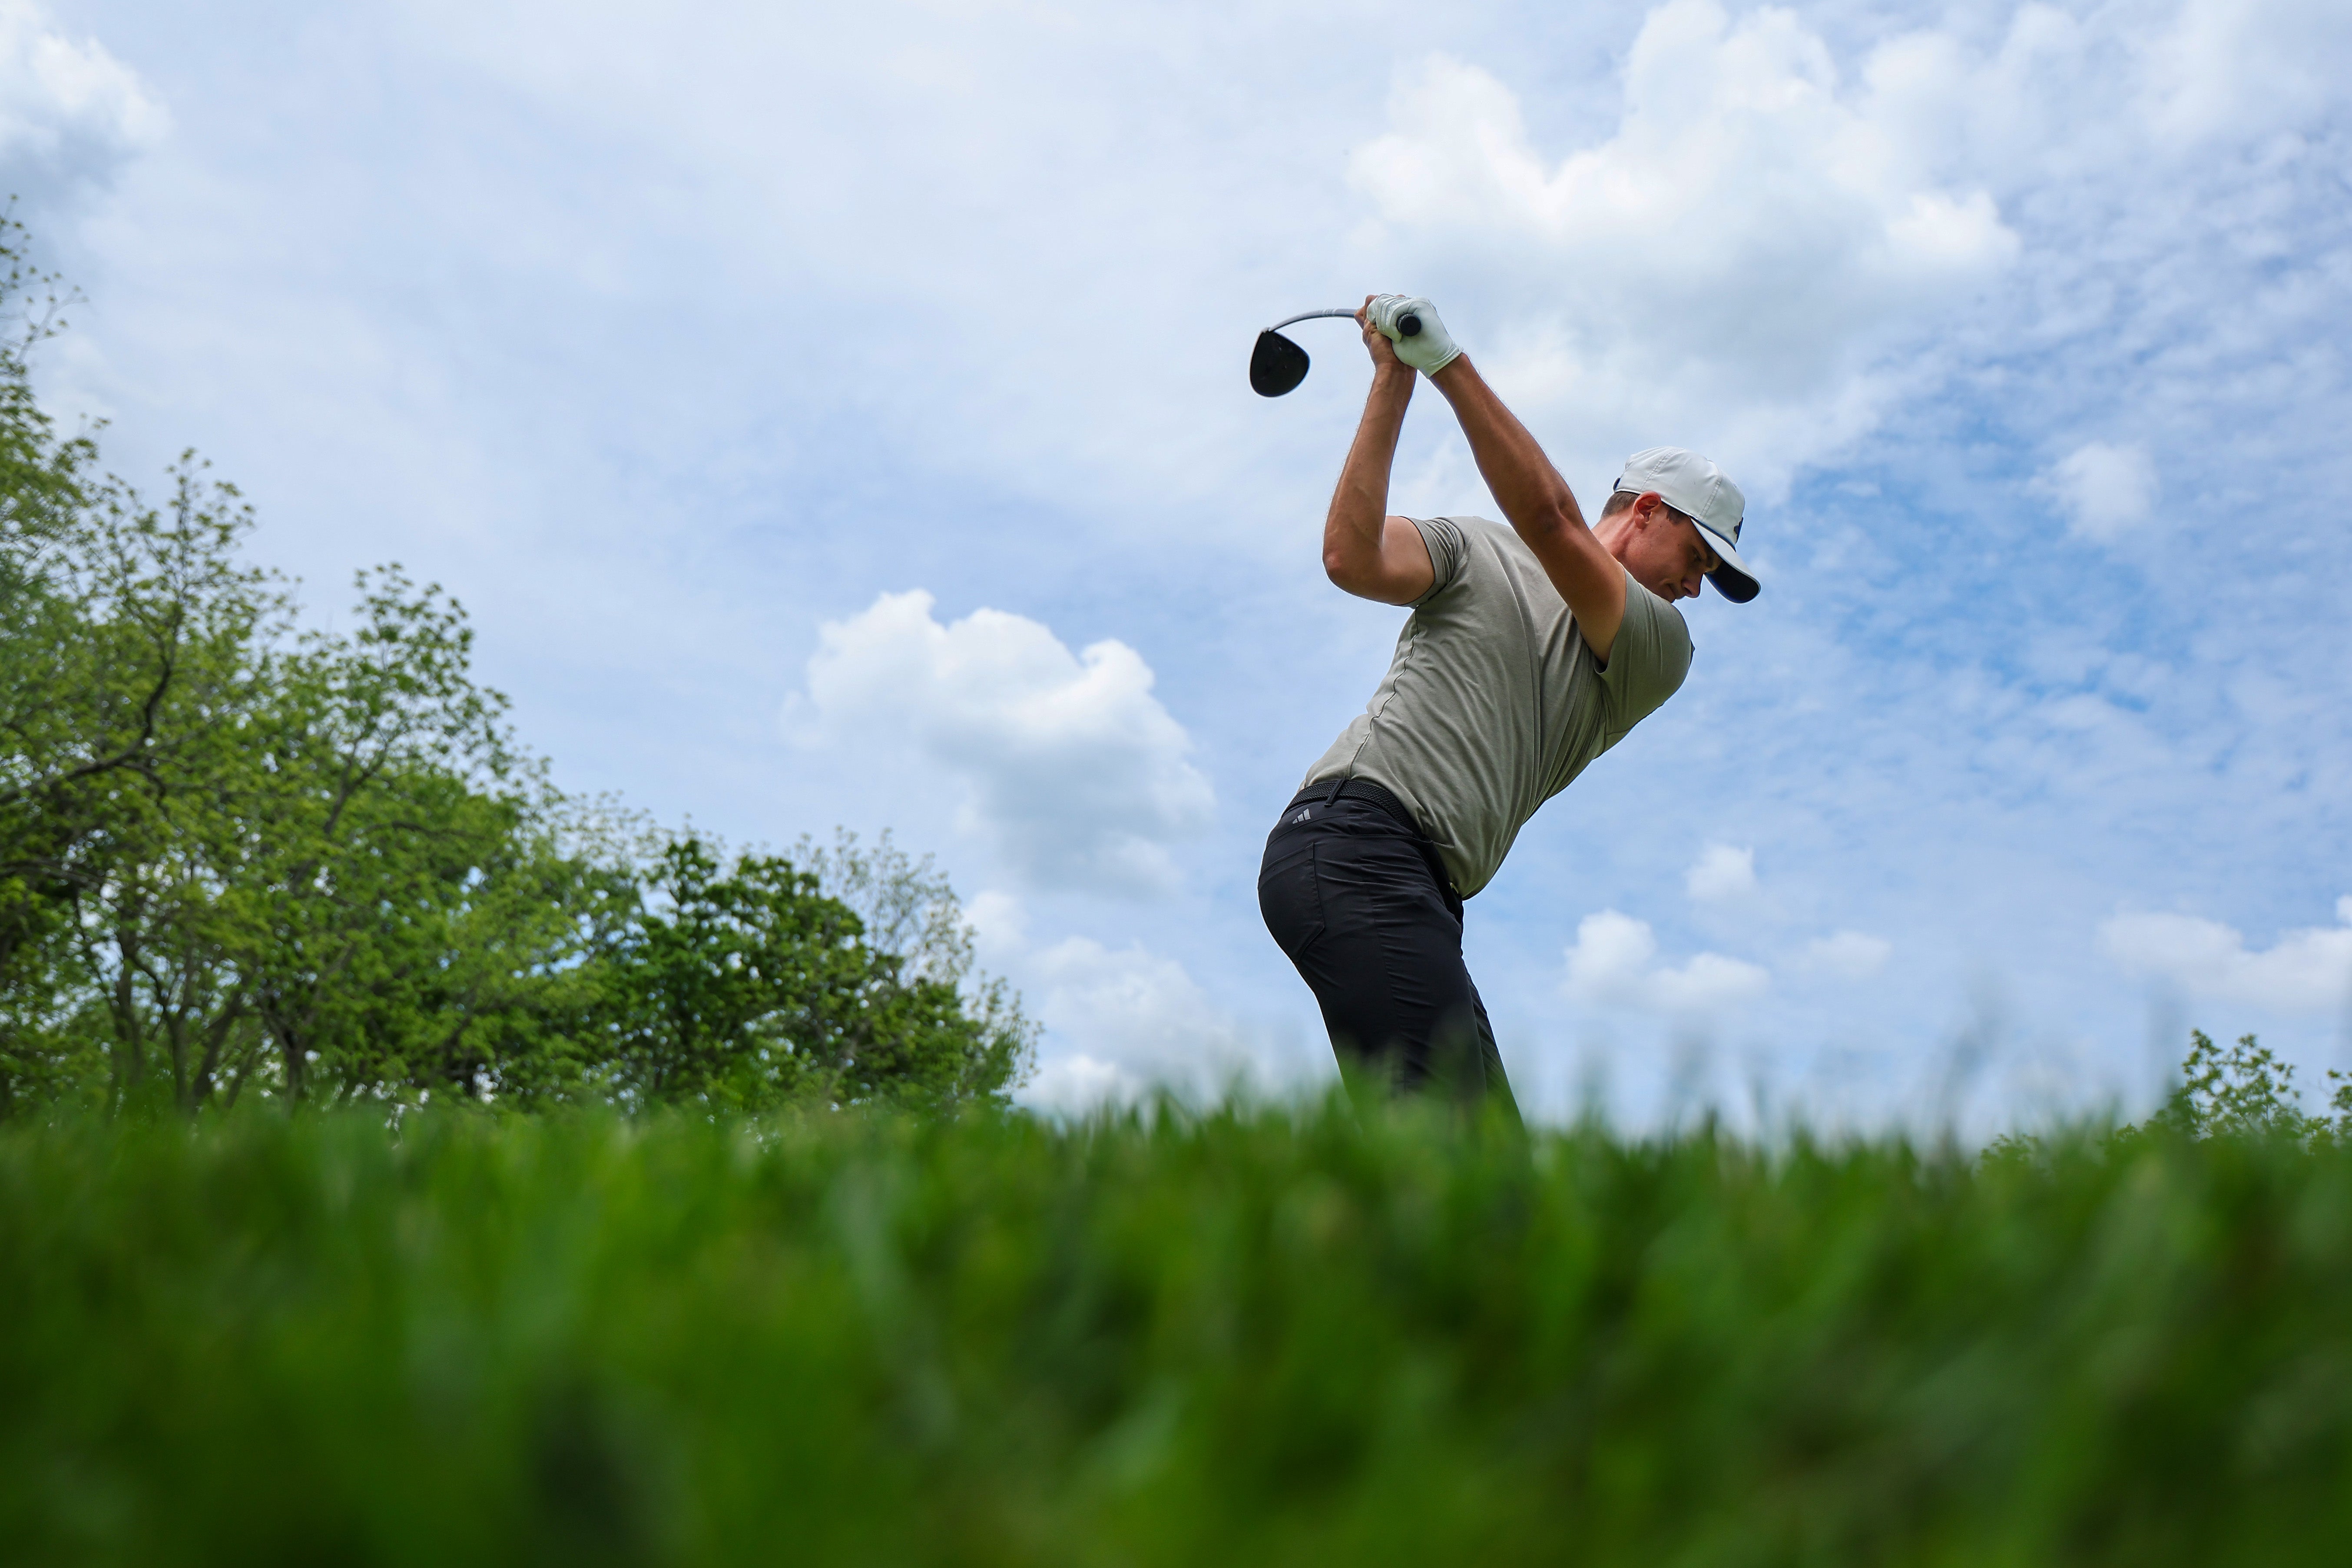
pixel 1535 499
pixel 1359 505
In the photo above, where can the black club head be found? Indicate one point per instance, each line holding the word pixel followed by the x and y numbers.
pixel 1277 364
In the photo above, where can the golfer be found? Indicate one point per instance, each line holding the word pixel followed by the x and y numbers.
pixel 1531 650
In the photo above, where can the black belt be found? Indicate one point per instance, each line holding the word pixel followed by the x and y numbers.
pixel 1363 790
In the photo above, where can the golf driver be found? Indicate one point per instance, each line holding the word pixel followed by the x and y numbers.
pixel 1278 364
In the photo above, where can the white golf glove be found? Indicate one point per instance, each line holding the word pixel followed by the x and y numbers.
pixel 1428 351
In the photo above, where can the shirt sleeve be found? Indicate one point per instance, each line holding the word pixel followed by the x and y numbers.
pixel 1446 546
pixel 1646 663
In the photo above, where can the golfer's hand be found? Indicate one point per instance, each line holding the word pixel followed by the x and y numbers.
pixel 1428 351
pixel 1377 344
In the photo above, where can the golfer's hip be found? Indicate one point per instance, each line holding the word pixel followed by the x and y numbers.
pixel 1355 845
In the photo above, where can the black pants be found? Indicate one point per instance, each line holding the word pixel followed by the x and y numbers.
pixel 1357 897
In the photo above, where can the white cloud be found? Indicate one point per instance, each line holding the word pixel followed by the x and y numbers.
pixel 1074 1083
pixel 999 924
pixel 1119 1021
pixel 1126 1020
pixel 1847 954
pixel 2243 66
pixel 2104 490
pixel 71 113
pixel 1069 764
pixel 2308 970
pixel 1725 267
pixel 1721 875
pixel 1612 962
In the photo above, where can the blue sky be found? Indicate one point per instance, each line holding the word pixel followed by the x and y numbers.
pixel 837 416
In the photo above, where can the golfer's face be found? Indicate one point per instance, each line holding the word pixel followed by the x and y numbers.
pixel 1676 559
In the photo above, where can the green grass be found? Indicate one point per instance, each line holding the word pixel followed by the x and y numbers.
pixel 1251 1337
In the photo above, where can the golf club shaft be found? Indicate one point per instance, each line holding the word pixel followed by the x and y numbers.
pixel 1409 327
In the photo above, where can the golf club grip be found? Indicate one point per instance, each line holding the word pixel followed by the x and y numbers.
pixel 1409 326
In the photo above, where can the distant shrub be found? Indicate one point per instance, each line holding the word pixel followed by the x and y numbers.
pixel 2248 1090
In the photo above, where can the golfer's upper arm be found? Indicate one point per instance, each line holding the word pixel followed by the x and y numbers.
pixel 1397 572
pixel 1588 577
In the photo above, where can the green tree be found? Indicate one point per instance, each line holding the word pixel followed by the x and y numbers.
pixel 745 987
pixel 2248 1090
pixel 911 913
pixel 391 889
pixel 118 630
pixel 230 853
pixel 42 480
pixel 240 858
pixel 158 666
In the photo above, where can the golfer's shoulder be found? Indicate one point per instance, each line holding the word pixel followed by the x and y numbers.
pixel 1469 539
pixel 1485 530
pixel 1482 568
pixel 1655 632
pixel 1459 553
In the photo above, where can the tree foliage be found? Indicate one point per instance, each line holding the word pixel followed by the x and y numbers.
pixel 2248 1090
pixel 239 857
pixel 742 986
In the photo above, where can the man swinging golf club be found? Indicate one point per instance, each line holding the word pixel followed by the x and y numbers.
pixel 1531 650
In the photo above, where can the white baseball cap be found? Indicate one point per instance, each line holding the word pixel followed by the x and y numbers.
pixel 1705 493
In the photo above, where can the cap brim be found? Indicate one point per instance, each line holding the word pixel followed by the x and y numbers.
pixel 1732 579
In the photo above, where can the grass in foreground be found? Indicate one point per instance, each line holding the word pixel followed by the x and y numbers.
pixel 1251 1337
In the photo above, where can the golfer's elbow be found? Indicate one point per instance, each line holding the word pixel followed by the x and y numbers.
pixel 1350 582
pixel 1351 574
pixel 1348 554
pixel 1370 579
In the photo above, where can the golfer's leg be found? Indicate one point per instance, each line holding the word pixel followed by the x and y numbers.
pixel 1344 967
pixel 1356 909
pixel 1433 1023
pixel 1494 1086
